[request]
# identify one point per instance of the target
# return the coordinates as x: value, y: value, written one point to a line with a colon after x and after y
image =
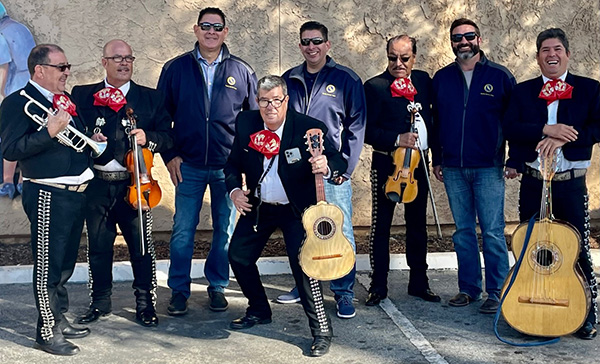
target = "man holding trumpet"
x: 55, y: 175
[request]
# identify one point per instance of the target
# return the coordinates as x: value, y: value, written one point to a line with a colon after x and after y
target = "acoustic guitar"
x: 549, y: 296
x: 325, y: 254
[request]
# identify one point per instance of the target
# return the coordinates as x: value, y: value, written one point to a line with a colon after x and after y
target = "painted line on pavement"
x: 407, y: 328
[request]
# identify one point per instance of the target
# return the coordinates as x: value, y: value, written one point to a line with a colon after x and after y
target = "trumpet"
x: 70, y: 136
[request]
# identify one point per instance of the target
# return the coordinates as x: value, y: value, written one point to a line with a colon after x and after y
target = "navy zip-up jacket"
x: 468, y: 121
x: 338, y: 100
x: 204, y: 129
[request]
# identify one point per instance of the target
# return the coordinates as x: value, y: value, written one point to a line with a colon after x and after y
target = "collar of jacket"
x: 298, y: 71
x: 196, y: 49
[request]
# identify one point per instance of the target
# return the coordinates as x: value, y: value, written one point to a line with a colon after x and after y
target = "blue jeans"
x: 188, y: 202
x: 341, y: 196
x: 478, y: 192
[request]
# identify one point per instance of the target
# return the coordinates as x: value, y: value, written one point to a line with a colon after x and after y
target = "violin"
x: 401, y: 186
x: 144, y: 192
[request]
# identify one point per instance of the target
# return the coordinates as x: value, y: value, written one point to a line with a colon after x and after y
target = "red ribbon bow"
x: 266, y: 142
x: 402, y: 87
x: 62, y: 101
x: 556, y: 90
x: 111, y: 97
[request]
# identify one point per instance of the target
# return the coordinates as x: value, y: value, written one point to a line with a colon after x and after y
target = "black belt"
x: 111, y: 176
x: 558, y: 177
x: 60, y: 186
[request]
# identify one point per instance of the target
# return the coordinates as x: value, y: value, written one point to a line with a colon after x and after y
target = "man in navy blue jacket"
x: 557, y: 112
x: 205, y: 89
x: 470, y: 96
x: 333, y: 94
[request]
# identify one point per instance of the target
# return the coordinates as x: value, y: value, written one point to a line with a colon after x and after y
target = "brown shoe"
x: 460, y: 300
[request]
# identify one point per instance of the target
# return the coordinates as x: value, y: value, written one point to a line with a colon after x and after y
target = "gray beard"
x: 474, y: 50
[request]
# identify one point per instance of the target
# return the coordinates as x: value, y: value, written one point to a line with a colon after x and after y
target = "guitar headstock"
x: 548, y: 166
x: 314, y: 140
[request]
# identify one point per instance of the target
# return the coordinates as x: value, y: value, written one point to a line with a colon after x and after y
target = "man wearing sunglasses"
x: 470, y: 96
x: 391, y: 97
x: 557, y: 114
x: 205, y: 89
x: 334, y: 94
x: 103, y: 107
x: 55, y: 177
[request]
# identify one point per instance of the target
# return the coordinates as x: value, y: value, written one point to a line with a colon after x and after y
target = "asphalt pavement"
x: 403, y: 329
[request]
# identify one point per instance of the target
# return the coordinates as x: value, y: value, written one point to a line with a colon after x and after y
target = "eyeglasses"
x: 456, y: 38
x: 264, y: 103
x: 218, y: 27
x: 119, y: 59
x: 316, y: 41
x: 395, y: 59
x: 61, y: 67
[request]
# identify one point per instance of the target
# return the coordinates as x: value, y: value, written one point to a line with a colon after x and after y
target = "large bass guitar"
x: 549, y: 296
x: 326, y: 254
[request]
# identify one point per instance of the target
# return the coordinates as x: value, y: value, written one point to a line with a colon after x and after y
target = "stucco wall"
x: 265, y: 33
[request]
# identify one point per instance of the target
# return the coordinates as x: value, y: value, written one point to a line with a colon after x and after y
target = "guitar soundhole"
x: 546, y: 259
x: 324, y: 228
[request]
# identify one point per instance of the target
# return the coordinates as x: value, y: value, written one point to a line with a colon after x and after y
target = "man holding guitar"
x: 269, y: 148
x: 390, y: 95
x: 556, y: 114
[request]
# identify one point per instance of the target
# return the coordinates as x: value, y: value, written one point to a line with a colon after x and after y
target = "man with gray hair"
x: 270, y: 149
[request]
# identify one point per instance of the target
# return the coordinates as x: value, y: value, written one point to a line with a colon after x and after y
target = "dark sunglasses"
x: 395, y: 59
x: 456, y: 38
x: 218, y: 27
x: 316, y: 41
x: 61, y: 67
x: 119, y: 59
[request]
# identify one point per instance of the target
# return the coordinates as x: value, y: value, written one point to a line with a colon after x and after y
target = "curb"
x: 14, y: 274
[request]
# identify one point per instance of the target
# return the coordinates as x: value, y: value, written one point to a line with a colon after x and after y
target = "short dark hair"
x: 315, y: 25
x: 464, y: 21
x: 39, y: 55
x: 552, y: 33
x: 270, y: 82
x: 215, y: 11
x: 413, y: 42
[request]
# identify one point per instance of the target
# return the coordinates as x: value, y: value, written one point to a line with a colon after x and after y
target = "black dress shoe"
x: 92, y: 315
x: 320, y: 345
x: 587, y: 331
x: 147, y: 318
x: 248, y: 321
x: 57, y: 346
x: 374, y: 299
x: 428, y: 295
x: 71, y: 332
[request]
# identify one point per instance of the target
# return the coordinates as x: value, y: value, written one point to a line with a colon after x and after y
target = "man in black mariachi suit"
x: 103, y: 107
x: 55, y: 176
x: 558, y: 112
x: 280, y: 187
x: 390, y: 95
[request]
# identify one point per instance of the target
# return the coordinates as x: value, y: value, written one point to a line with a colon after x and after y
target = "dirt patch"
x: 19, y: 253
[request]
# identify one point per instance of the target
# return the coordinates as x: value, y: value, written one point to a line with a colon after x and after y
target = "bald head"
x: 117, y: 60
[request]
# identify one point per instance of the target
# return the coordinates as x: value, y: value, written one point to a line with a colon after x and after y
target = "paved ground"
x: 403, y: 330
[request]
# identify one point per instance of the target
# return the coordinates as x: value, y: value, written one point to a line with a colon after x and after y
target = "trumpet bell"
x: 97, y: 148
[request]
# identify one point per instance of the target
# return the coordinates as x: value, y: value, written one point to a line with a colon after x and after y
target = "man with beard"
x: 469, y: 99
x: 103, y: 107
x: 390, y: 98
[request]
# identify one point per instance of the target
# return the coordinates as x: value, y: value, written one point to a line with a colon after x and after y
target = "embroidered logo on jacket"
x: 329, y: 91
x: 231, y: 82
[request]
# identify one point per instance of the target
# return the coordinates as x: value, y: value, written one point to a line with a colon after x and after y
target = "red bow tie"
x: 266, y: 142
x: 402, y: 87
x: 556, y: 90
x: 111, y: 97
x: 62, y: 101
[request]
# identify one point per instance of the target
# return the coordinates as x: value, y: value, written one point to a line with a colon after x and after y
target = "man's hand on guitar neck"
x: 319, y: 165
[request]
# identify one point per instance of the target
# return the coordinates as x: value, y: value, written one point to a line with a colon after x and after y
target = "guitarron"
x: 549, y: 296
x: 326, y: 254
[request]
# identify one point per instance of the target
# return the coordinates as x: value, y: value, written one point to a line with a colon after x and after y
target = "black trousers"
x: 570, y: 204
x: 245, y: 249
x: 415, y: 215
x: 56, y: 218
x: 107, y: 208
